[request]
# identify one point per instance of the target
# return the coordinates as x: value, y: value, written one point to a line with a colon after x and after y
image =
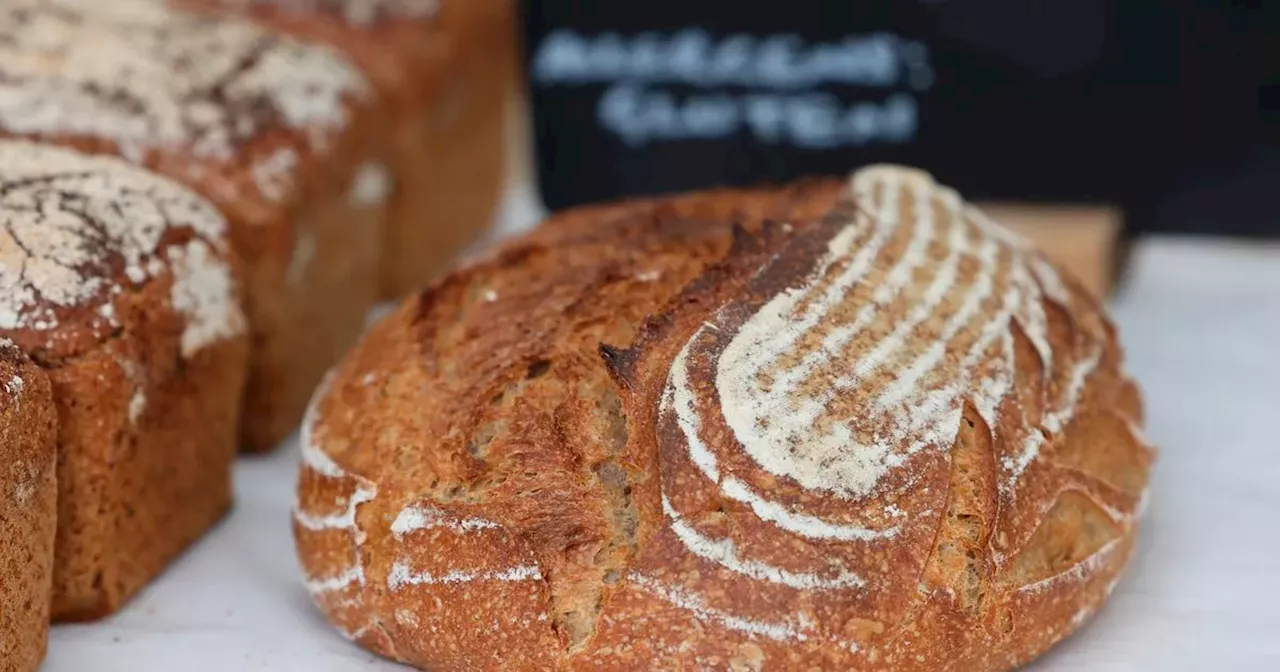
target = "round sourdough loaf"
x: 28, y: 509
x: 880, y: 433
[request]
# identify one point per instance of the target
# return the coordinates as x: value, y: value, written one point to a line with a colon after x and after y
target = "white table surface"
x: 1201, y: 321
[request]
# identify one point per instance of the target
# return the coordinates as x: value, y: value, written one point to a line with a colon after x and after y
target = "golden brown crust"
x: 549, y: 443
x: 139, y: 483
x: 121, y: 288
x: 28, y: 513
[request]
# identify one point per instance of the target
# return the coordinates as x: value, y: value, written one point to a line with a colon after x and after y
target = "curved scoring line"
x: 316, y: 459
x: 958, y: 245
x: 935, y: 403
x: 1032, y: 316
x: 1054, y: 421
x: 895, y: 281
x: 724, y: 552
x: 694, y: 604
x: 1088, y: 565
x: 738, y: 367
x: 906, y: 383
x: 840, y: 246
x: 679, y: 401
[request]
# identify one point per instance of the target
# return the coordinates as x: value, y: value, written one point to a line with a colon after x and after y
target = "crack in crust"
x: 972, y: 501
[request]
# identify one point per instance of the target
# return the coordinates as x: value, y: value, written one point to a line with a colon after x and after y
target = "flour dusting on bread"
x: 67, y: 218
x: 792, y: 629
x: 146, y: 76
x: 371, y: 185
x: 343, y: 588
x: 420, y: 517
x: 1056, y: 420
x: 790, y: 431
x: 680, y: 400
x: 877, y: 435
x: 402, y: 575
x: 204, y: 291
x: 817, y: 406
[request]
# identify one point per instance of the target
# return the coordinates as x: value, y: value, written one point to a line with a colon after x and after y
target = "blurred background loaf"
x: 446, y: 71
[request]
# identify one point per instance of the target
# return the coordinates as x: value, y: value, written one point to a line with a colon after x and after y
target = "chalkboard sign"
x: 1066, y: 101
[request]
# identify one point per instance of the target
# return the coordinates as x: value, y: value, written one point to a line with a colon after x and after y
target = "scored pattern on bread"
x: 904, y: 399
x: 338, y: 591
x: 146, y: 76
x: 804, y: 428
x: 521, y: 615
x: 882, y: 433
x: 327, y: 523
x: 68, y: 219
x: 404, y: 574
x: 420, y: 517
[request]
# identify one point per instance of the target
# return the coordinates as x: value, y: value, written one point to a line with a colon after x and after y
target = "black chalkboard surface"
x: 1059, y: 101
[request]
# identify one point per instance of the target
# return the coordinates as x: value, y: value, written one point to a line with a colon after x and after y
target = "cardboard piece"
x: 1086, y: 240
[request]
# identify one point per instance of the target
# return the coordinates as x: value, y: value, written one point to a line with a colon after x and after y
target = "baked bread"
x: 282, y: 137
x: 117, y: 283
x: 880, y: 434
x: 446, y: 69
x: 28, y: 509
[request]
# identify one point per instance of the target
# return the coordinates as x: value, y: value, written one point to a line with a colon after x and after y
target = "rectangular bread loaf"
x: 282, y: 137
x: 447, y: 70
x: 28, y: 509
x: 119, y: 284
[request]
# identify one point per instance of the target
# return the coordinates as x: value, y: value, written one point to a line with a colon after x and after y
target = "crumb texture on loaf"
x: 77, y: 232
x: 146, y: 76
x: 882, y: 435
